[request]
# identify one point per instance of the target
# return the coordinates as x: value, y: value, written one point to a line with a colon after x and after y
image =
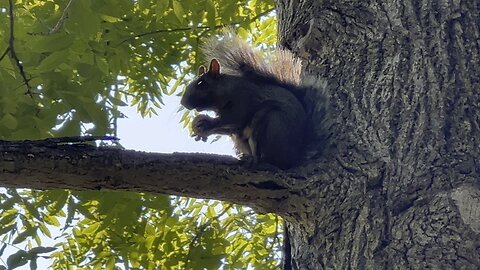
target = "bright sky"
x: 164, y: 133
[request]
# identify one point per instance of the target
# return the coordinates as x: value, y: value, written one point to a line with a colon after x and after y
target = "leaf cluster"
x: 124, y: 230
x: 76, y: 62
x: 66, y: 68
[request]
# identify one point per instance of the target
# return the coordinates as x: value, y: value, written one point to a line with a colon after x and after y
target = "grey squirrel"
x: 271, y: 115
x: 261, y: 104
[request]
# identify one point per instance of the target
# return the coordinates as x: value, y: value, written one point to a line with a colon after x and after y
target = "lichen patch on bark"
x: 467, y: 199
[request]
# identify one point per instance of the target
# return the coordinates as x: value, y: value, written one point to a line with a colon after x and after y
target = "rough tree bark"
x: 403, y: 186
x: 45, y: 165
x: 399, y: 189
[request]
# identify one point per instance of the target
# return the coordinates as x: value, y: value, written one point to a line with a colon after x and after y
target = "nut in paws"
x: 201, y: 126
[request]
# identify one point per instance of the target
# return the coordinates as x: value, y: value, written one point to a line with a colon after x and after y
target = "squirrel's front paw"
x: 201, y: 126
x: 247, y: 160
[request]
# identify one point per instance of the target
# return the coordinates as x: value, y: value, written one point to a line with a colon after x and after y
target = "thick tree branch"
x: 85, y: 167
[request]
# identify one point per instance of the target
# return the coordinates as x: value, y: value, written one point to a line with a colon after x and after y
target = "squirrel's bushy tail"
x: 237, y: 57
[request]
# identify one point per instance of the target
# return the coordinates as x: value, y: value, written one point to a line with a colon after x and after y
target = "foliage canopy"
x: 66, y: 68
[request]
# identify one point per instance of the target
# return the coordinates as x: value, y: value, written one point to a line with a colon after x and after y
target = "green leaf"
x: 92, y: 228
x: 51, y: 43
x: 8, y: 121
x: 118, y: 102
x: 51, y: 220
x: 52, y: 61
x: 110, y: 19
x: 102, y: 64
x: 33, y: 263
x: 60, y: 199
x: 160, y: 8
x: 87, y: 70
x: 39, y: 250
x: 8, y: 216
x: 32, y: 209
x: 211, y: 13
x: 111, y: 263
x: 17, y: 259
x: 44, y: 230
x: 23, y: 235
x: 2, y: 249
x: 178, y: 10
x: 211, y: 212
x: 83, y: 19
x: 9, y: 105
x: 8, y: 228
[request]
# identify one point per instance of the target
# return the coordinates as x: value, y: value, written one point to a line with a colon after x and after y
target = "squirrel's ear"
x: 201, y: 70
x: 214, y: 67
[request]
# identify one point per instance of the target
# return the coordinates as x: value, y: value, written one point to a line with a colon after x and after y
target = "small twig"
x: 256, y: 17
x: 63, y: 140
x: 59, y: 23
x: 79, y: 139
x: 202, y: 230
x: 259, y: 15
x: 4, y: 54
x: 165, y: 31
x: 13, y: 54
x: 62, y: 18
x: 275, y: 238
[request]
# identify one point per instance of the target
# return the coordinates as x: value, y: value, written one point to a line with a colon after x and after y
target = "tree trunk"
x: 403, y: 187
